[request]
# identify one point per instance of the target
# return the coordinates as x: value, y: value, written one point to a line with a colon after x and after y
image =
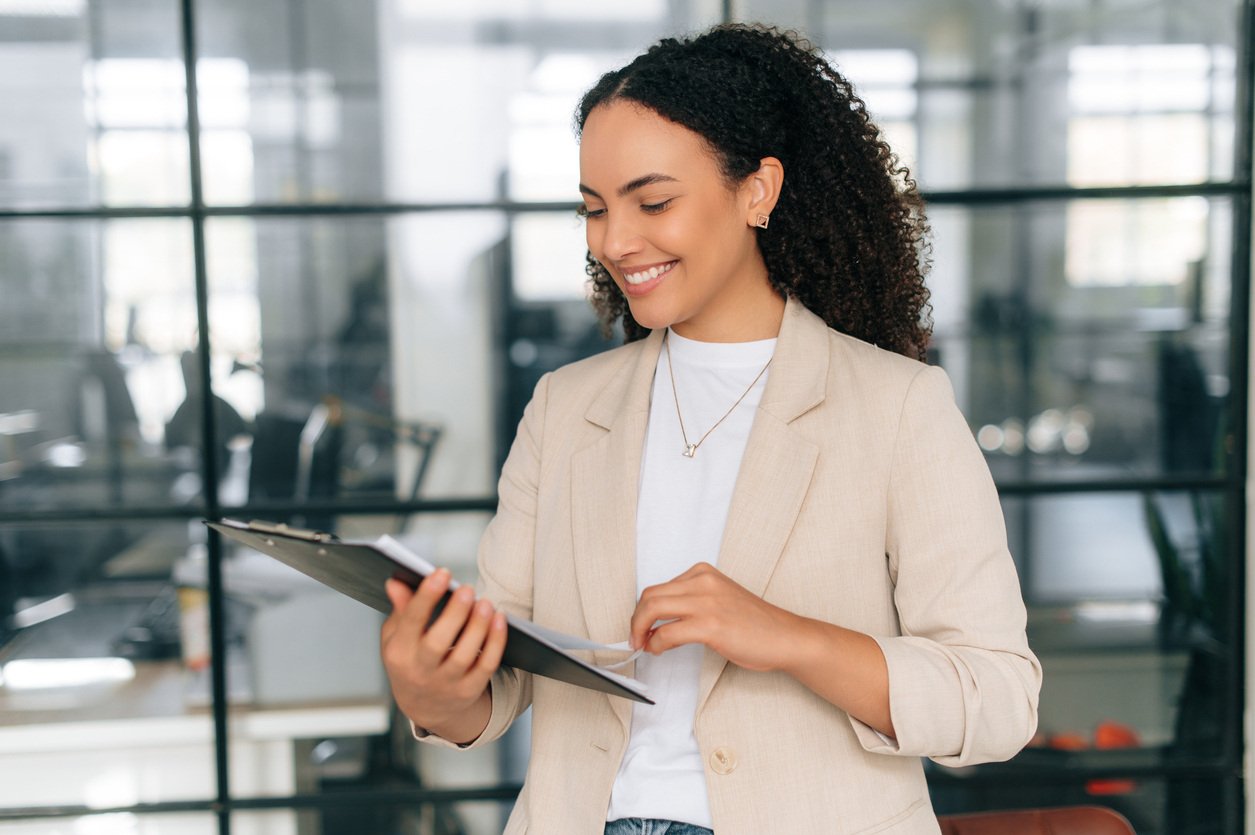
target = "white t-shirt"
x: 680, y: 517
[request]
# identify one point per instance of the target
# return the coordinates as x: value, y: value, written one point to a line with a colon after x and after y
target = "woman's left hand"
x: 704, y: 606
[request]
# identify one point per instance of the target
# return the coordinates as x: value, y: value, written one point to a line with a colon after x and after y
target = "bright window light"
x: 42, y: 8
x: 877, y: 67
x: 565, y: 72
x: 542, y: 151
x: 222, y: 93
x: 885, y: 79
x: 134, y: 92
x: 19, y: 423
x: 46, y: 610
x: 141, y: 153
x: 1119, y: 242
x: 48, y: 673
x: 548, y: 251
x: 1139, y: 117
x: 115, y: 823
x: 1133, y: 79
x: 654, y: 10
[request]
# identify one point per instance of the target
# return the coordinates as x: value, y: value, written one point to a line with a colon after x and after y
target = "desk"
x: 138, y: 742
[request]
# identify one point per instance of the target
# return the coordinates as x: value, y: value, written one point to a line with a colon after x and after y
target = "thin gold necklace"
x: 690, y: 450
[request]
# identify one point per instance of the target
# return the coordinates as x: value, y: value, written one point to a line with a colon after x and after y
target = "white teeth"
x: 645, y: 275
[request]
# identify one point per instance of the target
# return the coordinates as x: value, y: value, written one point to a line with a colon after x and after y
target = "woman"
x: 759, y: 489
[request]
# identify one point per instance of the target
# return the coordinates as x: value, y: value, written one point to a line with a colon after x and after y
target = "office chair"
x: 1063, y: 820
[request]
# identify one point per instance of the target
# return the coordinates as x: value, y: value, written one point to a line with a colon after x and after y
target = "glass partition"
x: 1080, y: 352
x: 104, y: 664
x: 1127, y: 592
x: 314, y: 711
x: 100, y: 90
x: 97, y: 357
x: 1017, y: 95
x: 360, y: 357
x: 389, y: 266
x: 431, y: 103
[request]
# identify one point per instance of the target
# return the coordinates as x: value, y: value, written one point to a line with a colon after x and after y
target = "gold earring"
x: 762, y: 222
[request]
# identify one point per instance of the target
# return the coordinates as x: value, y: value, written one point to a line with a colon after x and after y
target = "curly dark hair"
x: 848, y: 236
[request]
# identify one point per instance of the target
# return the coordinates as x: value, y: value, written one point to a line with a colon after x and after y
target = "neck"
x: 747, y: 320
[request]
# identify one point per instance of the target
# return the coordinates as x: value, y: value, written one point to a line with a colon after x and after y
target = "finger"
x: 700, y: 579
x: 471, y: 641
x: 698, y: 569
x: 418, y: 611
x: 398, y: 593
x: 658, y: 607
x: 675, y: 634
x: 443, y: 632
x: 399, y: 598
x: 494, y: 648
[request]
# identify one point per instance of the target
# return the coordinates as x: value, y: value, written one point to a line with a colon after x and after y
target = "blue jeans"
x: 640, y: 826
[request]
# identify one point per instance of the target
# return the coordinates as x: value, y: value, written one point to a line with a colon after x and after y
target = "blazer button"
x: 723, y: 760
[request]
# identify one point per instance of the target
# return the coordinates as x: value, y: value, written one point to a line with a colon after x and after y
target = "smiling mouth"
x: 645, y: 275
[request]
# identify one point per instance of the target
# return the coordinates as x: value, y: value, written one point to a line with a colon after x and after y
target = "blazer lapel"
x: 777, y: 467
x: 605, y: 477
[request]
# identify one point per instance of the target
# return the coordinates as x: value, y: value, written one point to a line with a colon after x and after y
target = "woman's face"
x: 674, y: 237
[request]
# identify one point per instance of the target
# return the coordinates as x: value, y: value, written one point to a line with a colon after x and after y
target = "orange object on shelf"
x: 1115, y: 735
x: 1069, y: 741
x: 1108, y: 736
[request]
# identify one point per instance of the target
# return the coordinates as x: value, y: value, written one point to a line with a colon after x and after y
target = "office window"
x: 104, y: 684
x: 1141, y: 112
x: 1075, y: 382
x: 1141, y: 117
x: 98, y: 330
x: 70, y: 74
x: 887, y: 80
x: 320, y: 338
x: 334, y: 312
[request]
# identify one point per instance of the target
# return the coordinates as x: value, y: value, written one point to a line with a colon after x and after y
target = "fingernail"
x: 484, y: 608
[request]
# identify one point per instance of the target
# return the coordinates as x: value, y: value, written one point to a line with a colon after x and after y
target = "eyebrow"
x: 638, y: 183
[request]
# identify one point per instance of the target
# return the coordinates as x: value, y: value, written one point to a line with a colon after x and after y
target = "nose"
x: 619, y: 237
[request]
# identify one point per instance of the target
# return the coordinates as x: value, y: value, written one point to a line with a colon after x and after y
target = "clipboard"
x: 359, y: 569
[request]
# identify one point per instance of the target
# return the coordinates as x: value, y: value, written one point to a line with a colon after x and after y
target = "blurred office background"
x: 303, y: 260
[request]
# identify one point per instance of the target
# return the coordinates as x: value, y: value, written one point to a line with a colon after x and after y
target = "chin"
x: 649, y: 317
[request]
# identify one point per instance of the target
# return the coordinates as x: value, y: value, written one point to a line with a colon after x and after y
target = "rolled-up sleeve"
x: 963, y: 683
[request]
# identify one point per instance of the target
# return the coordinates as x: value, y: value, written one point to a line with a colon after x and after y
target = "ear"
x: 761, y: 190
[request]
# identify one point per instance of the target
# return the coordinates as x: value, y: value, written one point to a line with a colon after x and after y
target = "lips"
x: 638, y: 277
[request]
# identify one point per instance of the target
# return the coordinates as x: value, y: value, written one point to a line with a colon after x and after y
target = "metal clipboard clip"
x: 281, y: 529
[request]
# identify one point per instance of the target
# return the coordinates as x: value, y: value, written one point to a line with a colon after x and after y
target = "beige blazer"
x: 862, y: 500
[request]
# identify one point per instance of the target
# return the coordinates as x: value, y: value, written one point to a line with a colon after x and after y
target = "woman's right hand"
x: 440, y: 670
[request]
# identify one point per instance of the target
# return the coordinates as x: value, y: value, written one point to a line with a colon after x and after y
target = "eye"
x: 585, y: 212
x: 655, y: 208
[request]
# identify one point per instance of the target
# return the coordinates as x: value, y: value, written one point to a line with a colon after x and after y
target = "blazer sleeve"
x: 505, y: 563
x: 963, y: 683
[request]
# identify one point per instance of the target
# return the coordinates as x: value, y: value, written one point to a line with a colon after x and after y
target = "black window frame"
x: 1226, y: 766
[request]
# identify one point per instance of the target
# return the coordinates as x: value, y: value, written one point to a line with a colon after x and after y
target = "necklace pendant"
x: 690, y: 450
